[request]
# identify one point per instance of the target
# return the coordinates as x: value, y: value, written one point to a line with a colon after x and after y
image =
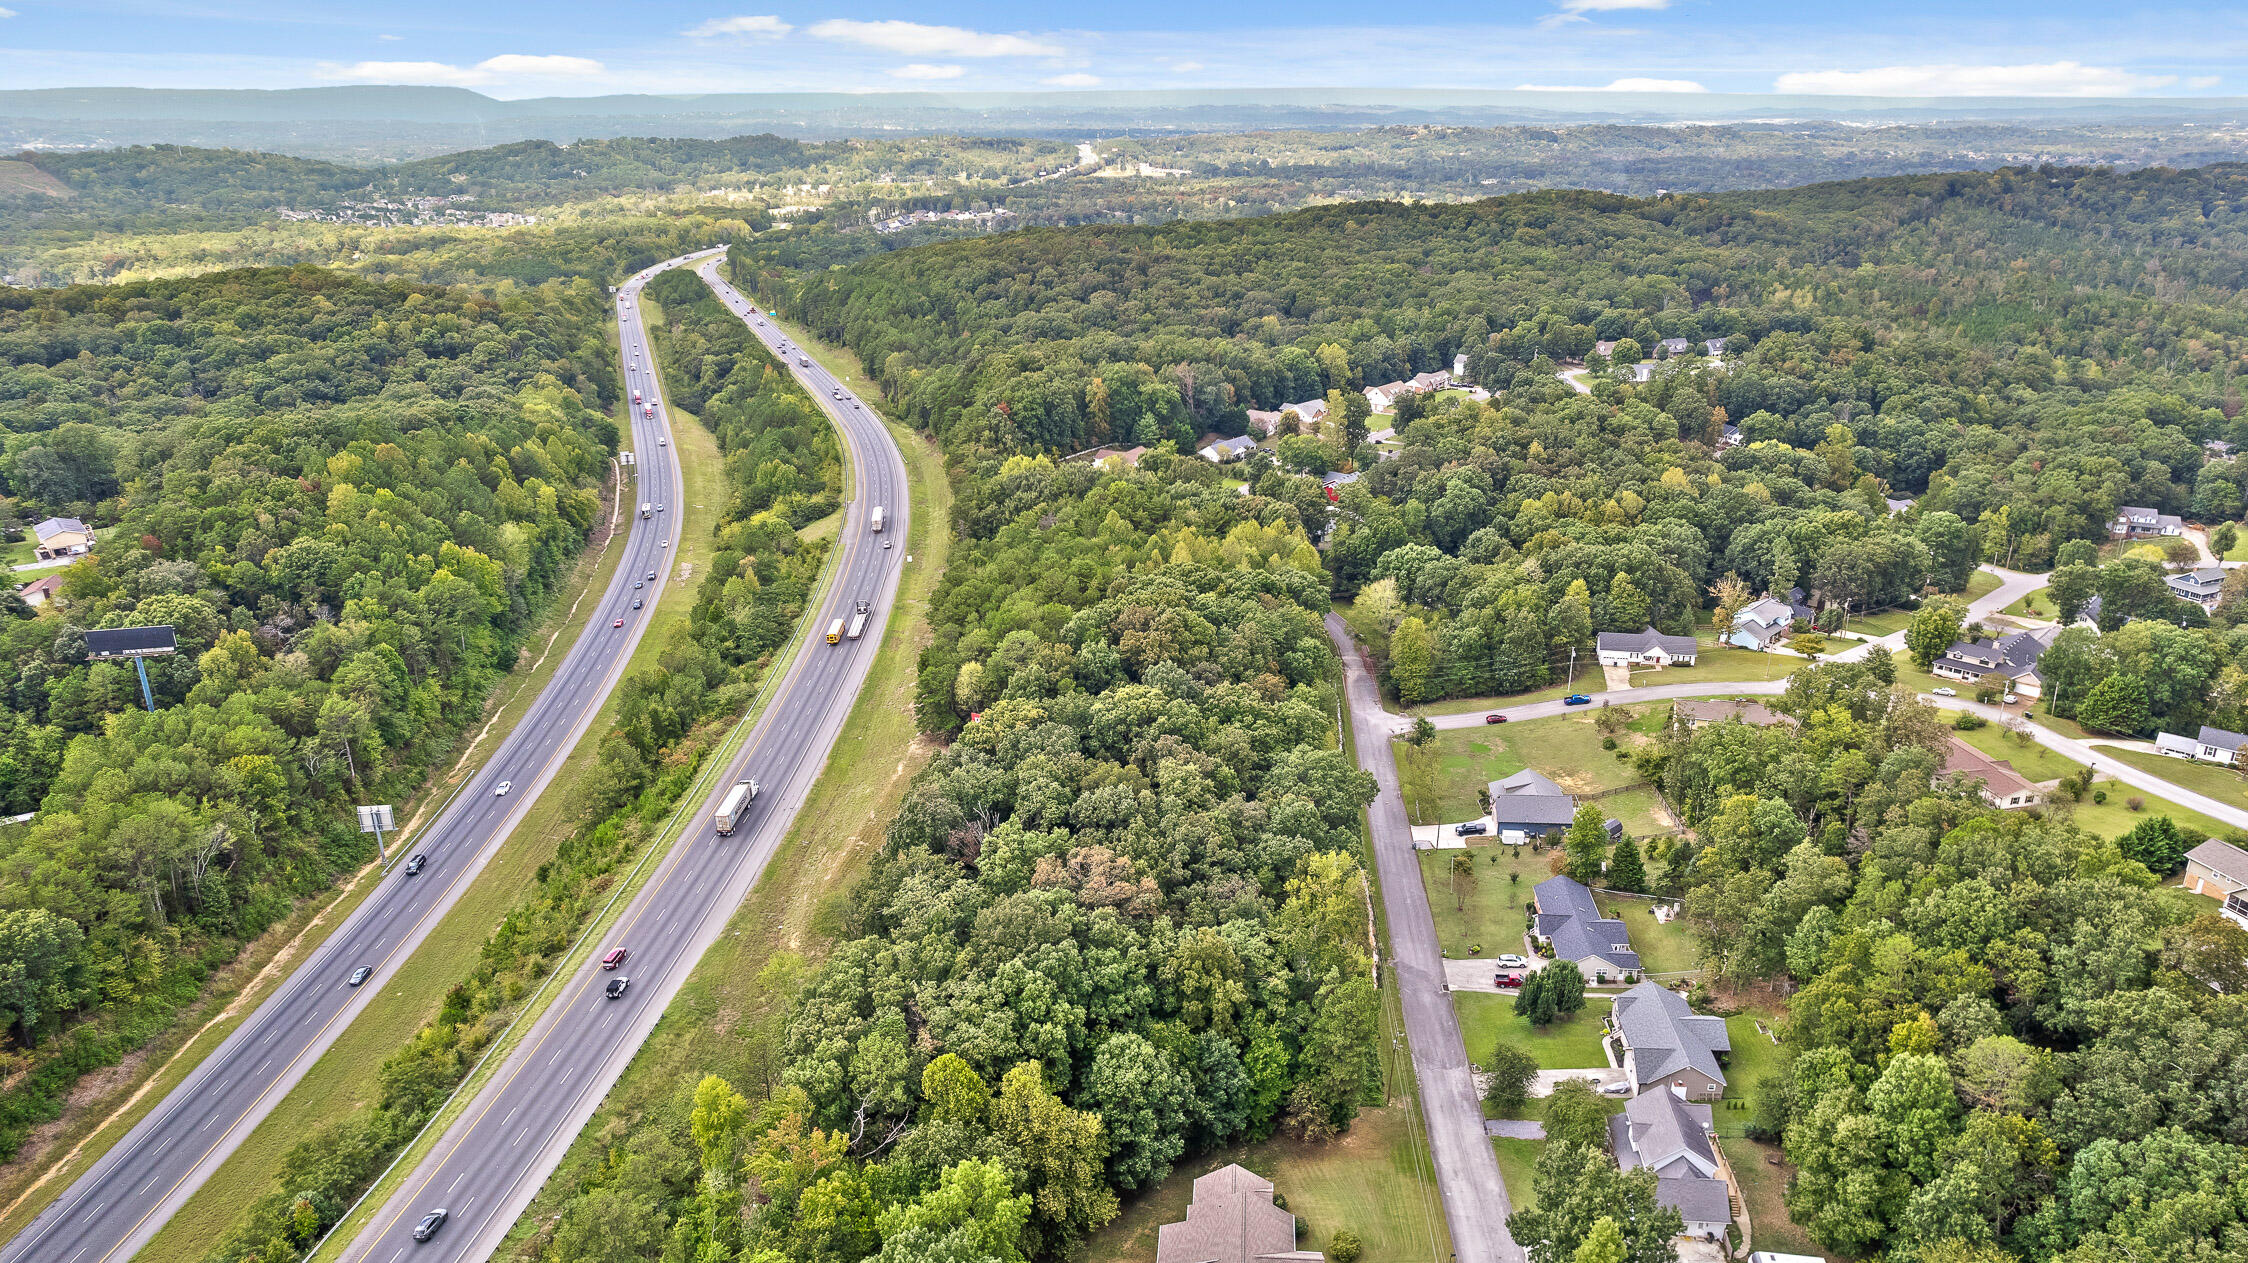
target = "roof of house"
x: 1677, y: 346
x: 1718, y: 710
x: 42, y: 587
x: 1663, y: 1131
x: 1644, y: 640
x: 1311, y: 408
x: 2221, y: 738
x: 1265, y: 421
x: 1437, y: 380
x: 1231, y: 1220
x: 1765, y: 612
x: 2146, y: 517
x: 1568, y: 916
x: 1997, y: 775
x: 1896, y: 506
x: 1666, y: 1036
x: 2222, y: 858
x: 1228, y: 447
x: 2014, y: 655
x: 1334, y: 479
x: 2199, y: 581
x: 1796, y: 602
x: 59, y: 526
x: 1699, y: 1200
x: 1528, y: 798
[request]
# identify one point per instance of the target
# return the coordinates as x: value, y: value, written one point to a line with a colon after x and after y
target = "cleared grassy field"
x: 1662, y: 948
x: 1981, y: 583
x: 1442, y: 780
x: 344, y: 1078
x: 2221, y: 783
x: 1570, y: 1044
x: 1724, y: 665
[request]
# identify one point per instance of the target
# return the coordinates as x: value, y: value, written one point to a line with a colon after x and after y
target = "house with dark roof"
x: 1996, y: 779
x: 2133, y: 522
x: 1571, y: 924
x: 1673, y: 346
x: 1713, y: 347
x: 1232, y: 1219
x: 2210, y: 745
x: 1224, y: 450
x: 2220, y: 871
x: 2201, y: 585
x: 1730, y: 436
x: 1673, y: 1137
x: 1529, y: 805
x: 1761, y: 624
x: 1667, y: 1045
x: 2013, y: 656
x: 1646, y: 648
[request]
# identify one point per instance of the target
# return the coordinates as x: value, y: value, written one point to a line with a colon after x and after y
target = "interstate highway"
x: 127, y: 1195
x: 491, y: 1161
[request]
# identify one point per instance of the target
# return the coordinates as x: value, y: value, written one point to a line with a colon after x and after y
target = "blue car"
x: 1576, y: 699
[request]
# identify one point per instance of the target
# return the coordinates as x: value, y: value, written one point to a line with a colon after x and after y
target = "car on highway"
x: 1576, y: 699
x: 885, y: 543
x: 430, y: 1223
x: 615, y: 958
x: 1945, y: 692
x: 1508, y: 960
x: 618, y: 623
x: 637, y: 585
x: 636, y: 602
x: 1494, y: 718
x: 416, y: 864
x: 661, y: 441
x: 359, y: 975
x: 651, y: 576
x: 659, y: 506
x: 505, y: 786
x: 1470, y: 828
x: 616, y: 987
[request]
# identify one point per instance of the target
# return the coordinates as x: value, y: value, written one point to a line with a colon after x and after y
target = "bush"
x: 1344, y: 1247
x: 1968, y: 721
x: 2135, y: 803
x: 1607, y: 743
x: 2099, y: 796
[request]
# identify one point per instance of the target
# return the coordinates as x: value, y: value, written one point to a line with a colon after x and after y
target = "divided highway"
x: 121, y: 1202
x: 489, y: 1164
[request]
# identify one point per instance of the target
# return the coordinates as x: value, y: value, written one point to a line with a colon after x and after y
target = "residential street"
x: 1467, y: 1169
x: 2013, y: 585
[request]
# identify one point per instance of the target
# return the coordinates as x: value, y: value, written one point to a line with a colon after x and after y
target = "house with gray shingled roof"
x: 1668, y: 1045
x: 1570, y: 921
x: 1232, y: 1220
x: 1671, y: 1136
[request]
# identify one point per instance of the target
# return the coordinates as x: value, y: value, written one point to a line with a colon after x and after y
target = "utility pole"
x: 1572, y: 684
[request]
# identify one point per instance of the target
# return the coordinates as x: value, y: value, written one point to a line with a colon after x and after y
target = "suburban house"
x: 2133, y: 522
x: 1232, y: 1219
x: 1604, y: 347
x: 1897, y: 506
x: 1224, y: 450
x: 1998, y: 782
x: 2220, y: 871
x: 2089, y: 615
x: 1694, y: 712
x: 1668, y: 1045
x: 1529, y: 805
x: 1571, y: 923
x: 1385, y: 396
x: 1647, y: 648
x: 2202, y: 585
x: 1761, y: 624
x: 1730, y: 436
x: 1713, y: 347
x: 1459, y: 367
x: 60, y: 537
x: 2013, y: 656
x: 36, y: 592
x: 1311, y: 411
x: 1265, y: 424
x: 1644, y: 371
x: 2210, y: 745
x: 1672, y: 1137
x: 1426, y: 382
x: 1673, y: 346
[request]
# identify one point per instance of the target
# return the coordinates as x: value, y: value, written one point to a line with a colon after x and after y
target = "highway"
x: 128, y: 1194
x: 489, y: 1163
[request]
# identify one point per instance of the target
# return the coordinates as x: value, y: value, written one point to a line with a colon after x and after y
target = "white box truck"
x: 732, y: 807
x: 643, y: 508
x: 858, y: 620
x: 875, y: 522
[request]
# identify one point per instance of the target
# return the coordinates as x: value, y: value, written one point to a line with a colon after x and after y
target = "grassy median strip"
x: 344, y: 1080
x: 109, y: 1103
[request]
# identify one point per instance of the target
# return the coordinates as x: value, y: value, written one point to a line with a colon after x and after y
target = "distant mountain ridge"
x: 378, y: 123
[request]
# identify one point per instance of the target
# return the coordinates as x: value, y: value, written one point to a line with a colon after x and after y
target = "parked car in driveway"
x: 1470, y: 828
x: 1576, y: 699
x: 1509, y: 981
x: 1509, y: 960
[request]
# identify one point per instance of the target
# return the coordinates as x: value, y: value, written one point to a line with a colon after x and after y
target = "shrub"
x: 1607, y: 743
x: 1967, y: 721
x: 2099, y: 796
x: 2135, y: 803
x: 1344, y: 1247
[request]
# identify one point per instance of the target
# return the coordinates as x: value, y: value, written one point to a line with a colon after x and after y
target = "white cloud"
x: 490, y: 70
x: 389, y: 39
x: 1077, y: 80
x: 923, y: 70
x: 2205, y: 81
x: 1186, y: 67
x: 1575, y: 10
x: 2057, y: 78
x: 764, y: 26
x: 913, y: 39
x: 1620, y: 85
x: 7, y: 13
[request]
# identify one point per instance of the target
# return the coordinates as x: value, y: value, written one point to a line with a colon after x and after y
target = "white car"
x: 505, y: 786
x: 1512, y: 961
x: 1945, y: 692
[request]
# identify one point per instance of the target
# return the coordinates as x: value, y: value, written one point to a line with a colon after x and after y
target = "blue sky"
x: 514, y: 48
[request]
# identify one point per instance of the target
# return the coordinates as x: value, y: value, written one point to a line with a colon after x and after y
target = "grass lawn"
x: 2223, y: 784
x: 1588, y: 680
x: 1491, y: 921
x: 2033, y: 761
x: 1367, y: 1180
x: 1662, y: 948
x: 21, y: 553
x: 2113, y: 817
x: 1718, y: 666
x: 1885, y: 623
x: 1641, y: 812
x: 2239, y: 550
x: 2035, y: 605
x: 1980, y: 583
x: 1573, y: 1044
x: 1763, y: 1184
x: 1518, y: 1159
x: 1441, y: 780
x: 343, y: 1079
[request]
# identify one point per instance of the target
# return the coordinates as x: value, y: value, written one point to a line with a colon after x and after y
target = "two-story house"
x: 2013, y: 656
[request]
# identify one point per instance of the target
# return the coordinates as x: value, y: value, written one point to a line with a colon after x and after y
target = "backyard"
x: 1442, y: 781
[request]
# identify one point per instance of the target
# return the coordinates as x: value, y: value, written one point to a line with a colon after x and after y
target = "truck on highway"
x: 835, y: 632
x: 732, y: 807
x: 803, y: 361
x: 649, y: 412
x: 636, y: 396
x: 875, y: 523
x: 644, y: 508
x: 858, y: 620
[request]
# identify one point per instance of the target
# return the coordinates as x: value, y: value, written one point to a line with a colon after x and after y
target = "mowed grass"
x: 1763, y: 1184
x: 344, y: 1079
x: 1662, y: 947
x: 1723, y: 665
x: 1367, y: 1180
x: 1443, y: 780
x: 106, y: 1105
x: 1483, y: 917
x: 1981, y: 583
x: 2218, y: 782
x: 2114, y: 817
x: 1570, y: 1044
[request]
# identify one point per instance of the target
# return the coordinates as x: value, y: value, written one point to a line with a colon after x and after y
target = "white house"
x: 1648, y: 648
x: 2210, y: 745
x: 1674, y: 346
x: 1311, y: 411
x: 1224, y: 450
x: 1761, y: 623
x: 2133, y: 522
x: 1459, y: 366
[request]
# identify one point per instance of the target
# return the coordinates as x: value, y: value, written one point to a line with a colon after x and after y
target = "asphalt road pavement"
x: 127, y: 1195
x: 490, y: 1162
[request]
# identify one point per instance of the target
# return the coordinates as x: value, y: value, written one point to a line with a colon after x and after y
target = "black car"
x: 1470, y: 828
x: 416, y: 864
x: 430, y: 1223
x: 359, y: 975
x: 616, y: 987
x: 636, y: 602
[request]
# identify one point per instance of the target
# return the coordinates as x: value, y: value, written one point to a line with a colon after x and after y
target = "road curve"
x: 490, y: 1162
x: 1467, y: 1167
x: 128, y: 1194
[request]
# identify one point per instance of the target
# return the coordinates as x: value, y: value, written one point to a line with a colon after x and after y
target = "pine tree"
x: 1626, y: 870
x: 1587, y: 844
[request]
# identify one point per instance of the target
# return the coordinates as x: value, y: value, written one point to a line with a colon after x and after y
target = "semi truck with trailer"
x: 858, y: 620
x: 732, y: 807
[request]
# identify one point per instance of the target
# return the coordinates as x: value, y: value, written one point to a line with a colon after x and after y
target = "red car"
x: 1508, y: 980
x: 1494, y: 718
x: 614, y: 959
x: 618, y: 623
